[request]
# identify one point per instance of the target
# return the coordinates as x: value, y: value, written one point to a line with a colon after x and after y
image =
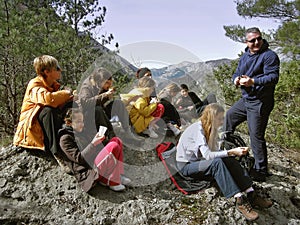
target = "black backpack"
x: 230, y: 141
x: 166, y: 152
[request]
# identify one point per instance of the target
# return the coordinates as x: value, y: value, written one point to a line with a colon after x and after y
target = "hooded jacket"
x: 263, y: 66
x: 90, y: 95
x: 29, y: 133
x: 138, y: 104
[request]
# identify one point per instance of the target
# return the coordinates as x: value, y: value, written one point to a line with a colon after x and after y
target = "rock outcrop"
x: 34, y: 190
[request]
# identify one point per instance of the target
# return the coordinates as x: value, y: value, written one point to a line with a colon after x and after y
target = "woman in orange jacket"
x: 40, y: 116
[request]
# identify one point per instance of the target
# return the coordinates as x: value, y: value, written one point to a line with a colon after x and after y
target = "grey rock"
x: 33, y: 190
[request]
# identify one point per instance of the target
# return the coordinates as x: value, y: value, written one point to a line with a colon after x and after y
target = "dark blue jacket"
x: 263, y: 66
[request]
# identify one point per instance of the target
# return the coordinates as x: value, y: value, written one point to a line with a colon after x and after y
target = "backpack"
x: 230, y: 141
x: 166, y: 152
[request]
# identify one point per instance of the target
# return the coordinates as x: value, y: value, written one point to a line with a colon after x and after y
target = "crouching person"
x: 42, y: 109
x: 198, y: 157
x: 89, y: 160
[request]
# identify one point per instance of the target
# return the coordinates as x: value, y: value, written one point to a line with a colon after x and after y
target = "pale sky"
x: 191, y: 30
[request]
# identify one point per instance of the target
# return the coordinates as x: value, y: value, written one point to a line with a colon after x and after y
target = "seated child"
x: 88, y: 159
x: 143, y: 113
x: 185, y: 104
x: 171, y: 115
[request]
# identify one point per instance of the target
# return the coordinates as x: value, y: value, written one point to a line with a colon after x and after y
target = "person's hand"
x: 97, y: 139
x: 246, y: 81
x: 154, y: 100
x: 71, y: 93
x: 110, y: 93
x: 237, y: 81
x: 190, y: 107
x: 239, y: 151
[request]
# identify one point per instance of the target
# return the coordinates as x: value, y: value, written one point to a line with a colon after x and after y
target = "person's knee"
x: 217, y: 163
x: 47, y: 110
x: 117, y: 140
x: 114, y: 147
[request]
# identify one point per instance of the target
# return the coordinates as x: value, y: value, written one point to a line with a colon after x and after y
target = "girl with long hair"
x: 198, y: 156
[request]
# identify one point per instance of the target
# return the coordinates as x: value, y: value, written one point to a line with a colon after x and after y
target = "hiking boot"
x: 257, y: 201
x: 258, y: 175
x: 244, y: 207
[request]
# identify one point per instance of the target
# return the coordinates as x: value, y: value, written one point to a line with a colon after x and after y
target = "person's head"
x: 101, y: 78
x: 46, y: 66
x: 184, y: 90
x: 74, y: 118
x: 173, y: 89
x: 253, y: 39
x: 143, y: 72
x: 212, y: 118
x: 147, y: 83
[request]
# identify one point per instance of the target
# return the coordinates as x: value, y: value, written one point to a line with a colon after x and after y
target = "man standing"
x: 257, y: 75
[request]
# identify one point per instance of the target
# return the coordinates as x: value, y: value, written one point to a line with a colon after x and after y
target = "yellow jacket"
x: 137, y: 103
x: 38, y: 94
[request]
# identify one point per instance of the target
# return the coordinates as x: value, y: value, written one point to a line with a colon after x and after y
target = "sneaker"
x: 258, y: 175
x: 125, y: 180
x: 128, y: 134
x: 174, y: 129
x: 103, y: 184
x: 257, y: 201
x: 244, y: 207
x: 119, y: 187
x: 150, y: 132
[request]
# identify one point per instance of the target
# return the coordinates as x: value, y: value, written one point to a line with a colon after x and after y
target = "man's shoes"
x: 257, y: 201
x: 244, y: 207
x: 258, y: 175
x: 119, y: 187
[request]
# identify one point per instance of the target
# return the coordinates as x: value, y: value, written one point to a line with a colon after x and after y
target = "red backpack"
x: 166, y: 152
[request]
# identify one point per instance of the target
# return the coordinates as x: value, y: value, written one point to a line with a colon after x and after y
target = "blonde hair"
x: 172, y: 87
x: 146, y: 82
x: 44, y: 62
x: 207, y: 119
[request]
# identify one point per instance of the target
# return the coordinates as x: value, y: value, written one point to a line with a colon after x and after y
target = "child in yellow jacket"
x: 143, y: 113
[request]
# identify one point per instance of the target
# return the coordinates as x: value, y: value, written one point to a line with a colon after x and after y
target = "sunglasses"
x: 254, y: 39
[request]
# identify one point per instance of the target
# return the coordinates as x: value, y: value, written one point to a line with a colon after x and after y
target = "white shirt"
x: 192, y: 145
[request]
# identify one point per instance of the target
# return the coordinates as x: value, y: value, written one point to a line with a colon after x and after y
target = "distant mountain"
x: 184, y: 72
x: 190, y: 73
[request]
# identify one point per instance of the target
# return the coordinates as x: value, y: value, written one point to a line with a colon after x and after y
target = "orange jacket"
x: 38, y: 94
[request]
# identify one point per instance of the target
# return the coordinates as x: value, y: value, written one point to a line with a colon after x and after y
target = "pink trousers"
x: 110, y: 162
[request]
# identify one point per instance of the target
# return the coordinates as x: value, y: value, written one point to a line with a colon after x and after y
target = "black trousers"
x: 117, y: 108
x: 170, y: 115
x: 51, y: 120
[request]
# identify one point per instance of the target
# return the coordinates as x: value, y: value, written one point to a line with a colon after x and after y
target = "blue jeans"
x: 227, y: 172
x: 256, y: 113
